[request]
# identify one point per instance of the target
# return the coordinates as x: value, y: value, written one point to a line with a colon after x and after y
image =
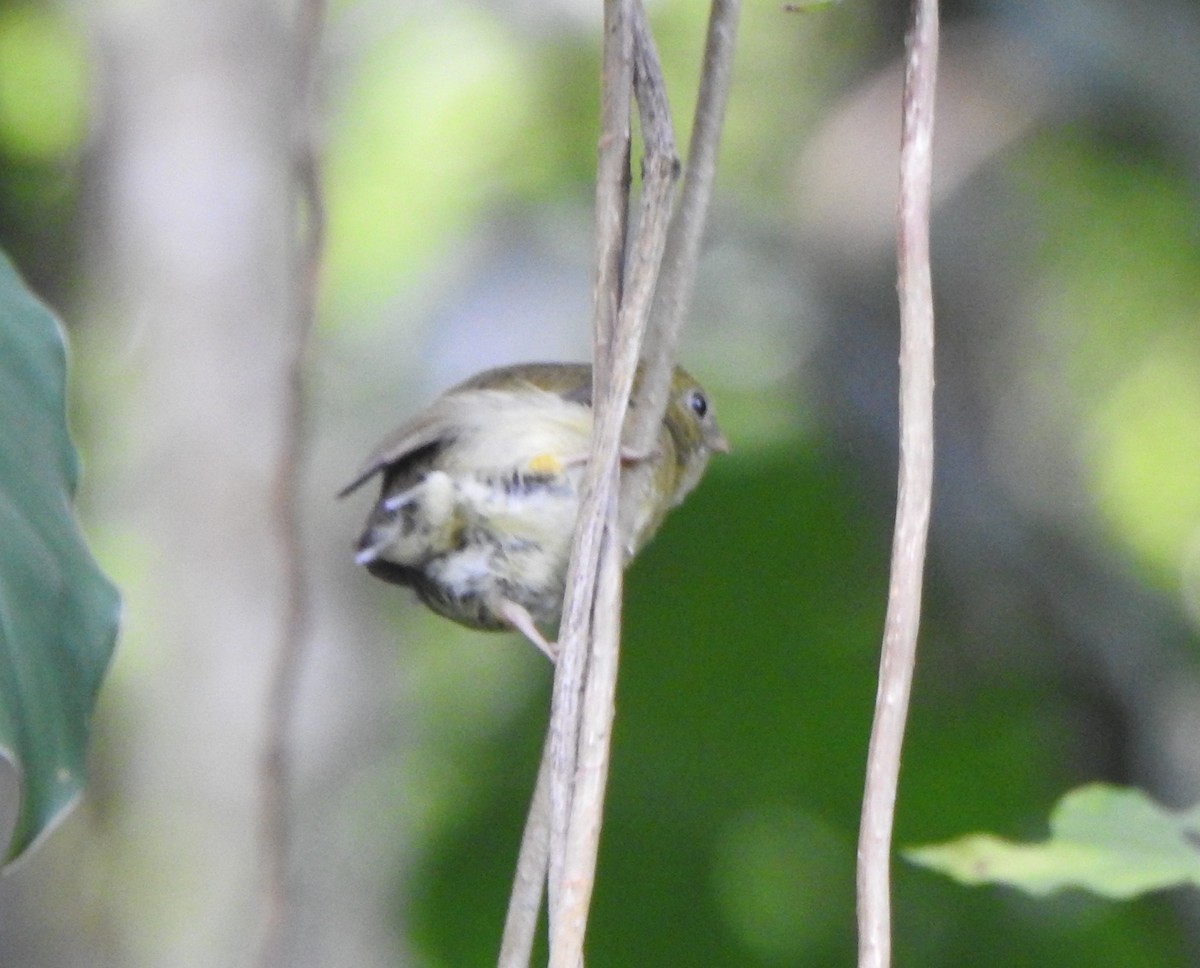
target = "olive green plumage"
x: 481, y: 491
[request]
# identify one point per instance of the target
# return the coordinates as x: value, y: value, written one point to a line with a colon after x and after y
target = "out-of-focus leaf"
x: 1114, y: 842
x: 58, y: 613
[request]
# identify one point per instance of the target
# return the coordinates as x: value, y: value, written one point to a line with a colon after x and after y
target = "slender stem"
x: 612, y: 193
x: 915, y: 487
x: 659, y: 172
x: 574, y: 769
x: 594, y: 593
x: 309, y: 237
x: 677, y: 279
x: 520, y: 923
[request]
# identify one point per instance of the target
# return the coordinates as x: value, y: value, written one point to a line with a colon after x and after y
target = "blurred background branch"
x: 308, y: 234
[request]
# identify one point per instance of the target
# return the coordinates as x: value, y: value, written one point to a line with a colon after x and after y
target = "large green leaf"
x: 1114, y: 842
x: 58, y: 613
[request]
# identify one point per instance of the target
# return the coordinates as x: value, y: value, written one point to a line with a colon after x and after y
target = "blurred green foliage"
x: 58, y: 612
x: 1117, y: 290
x: 441, y: 109
x: 43, y: 84
x: 1112, y: 841
x: 44, y: 101
x: 748, y: 674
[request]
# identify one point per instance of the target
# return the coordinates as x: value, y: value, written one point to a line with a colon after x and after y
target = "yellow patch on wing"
x: 545, y: 464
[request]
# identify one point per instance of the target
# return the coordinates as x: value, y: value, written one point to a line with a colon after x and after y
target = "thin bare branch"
x: 659, y: 172
x: 676, y: 281
x: 612, y: 176
x: 309, y: 236
x: 612, y: 192
x: 594, y: 591
x: 915, y: 489
x: 578, y: 742
x: 525, y: 902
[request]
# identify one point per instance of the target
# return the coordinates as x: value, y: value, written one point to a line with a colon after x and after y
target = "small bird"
x: 481, y: 492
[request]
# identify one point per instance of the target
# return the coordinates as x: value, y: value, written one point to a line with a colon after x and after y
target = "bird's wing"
x: 507, y: 401
x: 430, y: 428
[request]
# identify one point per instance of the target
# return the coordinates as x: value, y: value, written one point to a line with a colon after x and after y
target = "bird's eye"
x: 698, y: 403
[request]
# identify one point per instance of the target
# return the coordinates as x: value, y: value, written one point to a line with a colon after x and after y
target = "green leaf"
x: 1112, y: 841
x: 58, y: 613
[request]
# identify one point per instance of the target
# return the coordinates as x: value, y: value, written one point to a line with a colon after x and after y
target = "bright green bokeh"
x: 1120, y: 287
x: 784, y: 882
x: 434, y: 125
x: 1147, y: 463
x: 43, y: 84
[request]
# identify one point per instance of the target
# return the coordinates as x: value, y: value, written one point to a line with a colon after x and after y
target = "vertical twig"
x: 612, y: 192
x: 308, y: 237
x: 593, y: 600
x: 677, y: 279
x: 915, y: 487
x: 659, y: 170
x: 550, y: 808
x: 525, y: 901
x: 579, y: 753
x: 612, y: 179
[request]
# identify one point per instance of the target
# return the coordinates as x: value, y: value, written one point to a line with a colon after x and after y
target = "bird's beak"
x: 720, y: 443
